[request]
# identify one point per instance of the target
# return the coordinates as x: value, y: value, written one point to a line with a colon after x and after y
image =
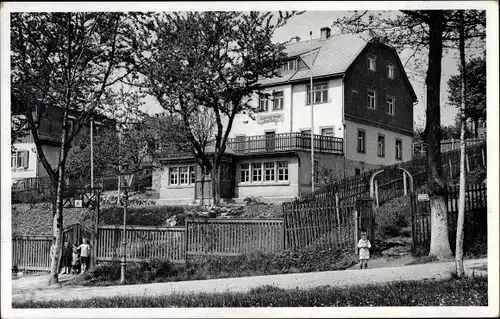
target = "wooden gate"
x: 75, y: 234
x: 366, y: 218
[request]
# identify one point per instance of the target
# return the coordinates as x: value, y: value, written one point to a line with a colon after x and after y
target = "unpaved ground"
x: 34, y: 288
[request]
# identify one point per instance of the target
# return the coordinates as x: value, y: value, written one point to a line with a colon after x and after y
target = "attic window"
x: 390, y: 71
x: 372, y: 63
x: 290, y: 65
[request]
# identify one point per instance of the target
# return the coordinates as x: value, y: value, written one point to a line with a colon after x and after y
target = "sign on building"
x: 270, y: 118
x: 423, y: 197
x: 78, y: 203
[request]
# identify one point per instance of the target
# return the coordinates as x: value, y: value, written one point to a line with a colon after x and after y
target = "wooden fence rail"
x: 31, y: 252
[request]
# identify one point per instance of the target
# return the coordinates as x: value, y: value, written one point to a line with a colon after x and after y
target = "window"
x: 306, y: 132
x: 71, y: 124
x: 320, y: 93
x: 244, y: 173
x: 399, y: 149
x: 390, y: 105
x: 269, y: 169
x: 381, y: 146
x: 316, y: 172
x: 390, y: 71
x: 263, y: 103
x: 372, y: 101
x: 192, y: 174
x: 184, y: 175
x: 174, y: 176
x: 256, y: 172
x: 361, y: 141
x: 372, y: 63
x: 328, y: 131
x: 20, y: 159
x: 290, y: 65
x: 282, y: 171
x: 278, y: 100
x: 357, y: 171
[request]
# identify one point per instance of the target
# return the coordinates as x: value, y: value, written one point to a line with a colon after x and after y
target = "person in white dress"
x: 364, y: 250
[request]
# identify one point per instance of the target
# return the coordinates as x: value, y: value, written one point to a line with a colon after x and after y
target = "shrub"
x: 391, y: 217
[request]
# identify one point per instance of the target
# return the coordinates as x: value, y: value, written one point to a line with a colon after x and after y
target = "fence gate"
x: 75, y: 234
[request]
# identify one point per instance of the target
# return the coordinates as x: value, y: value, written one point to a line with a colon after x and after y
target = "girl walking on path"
x: 364, y: 250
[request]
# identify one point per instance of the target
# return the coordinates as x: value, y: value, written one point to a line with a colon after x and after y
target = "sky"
x: 314, y: 20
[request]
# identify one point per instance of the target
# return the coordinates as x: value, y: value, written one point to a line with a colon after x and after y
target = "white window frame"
x: 358, y: 139
x: 372, y: 98
x: 245, y: 172
x: 398, y: 152
x: 184, y: 175
x: 263, y: 100
x: 278, y: 102
x: 282, y: 167
x: 290, y: 65
x: 269, y: 171
x: 318, y: 88
x: 372, y: 63
x: 173, y: 172
x: 381, y: 149
x: 332, y: 128
x: 257, y: 170
x: 390, y: 71
x: 18, y: 157
x: 192, y: 175
x: 390, y: 106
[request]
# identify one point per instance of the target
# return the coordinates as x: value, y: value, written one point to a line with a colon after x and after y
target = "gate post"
x: 364, y: 207
x: 95, y: 230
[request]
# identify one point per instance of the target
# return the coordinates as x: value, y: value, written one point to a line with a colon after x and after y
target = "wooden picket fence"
x: 233, y: 236
x: 143, y: 242
x: 31, y: 252
x: 475, y: 208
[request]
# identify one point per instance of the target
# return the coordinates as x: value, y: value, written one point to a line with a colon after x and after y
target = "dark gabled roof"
x: 331, y: 57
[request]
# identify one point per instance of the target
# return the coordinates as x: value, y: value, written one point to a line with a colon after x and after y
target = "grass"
x: 449, y: 292
x: 423, y: 260
x: 254, y: 264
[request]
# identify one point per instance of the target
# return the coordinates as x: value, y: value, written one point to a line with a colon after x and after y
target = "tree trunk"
x: 459, y: 247
x: 58, y: 229
x: 476, y: 127
x: 216, y: 182
x: 440, y: 246
x: 202, y: 192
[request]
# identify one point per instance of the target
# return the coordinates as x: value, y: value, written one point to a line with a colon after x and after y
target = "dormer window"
x: 290, y: 65
x: 372, y: 63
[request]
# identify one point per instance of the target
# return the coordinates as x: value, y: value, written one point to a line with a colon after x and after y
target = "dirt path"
x: 34, y: 288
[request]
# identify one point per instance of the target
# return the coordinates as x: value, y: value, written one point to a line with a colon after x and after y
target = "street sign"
x: 78, y: 203
x: 423, y: 197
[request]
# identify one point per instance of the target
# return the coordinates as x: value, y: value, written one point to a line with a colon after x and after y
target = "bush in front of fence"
x: 209, y: 267
x: 392, y: 217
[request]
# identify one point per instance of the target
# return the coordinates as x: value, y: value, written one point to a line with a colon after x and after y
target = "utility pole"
x: 311, y: 94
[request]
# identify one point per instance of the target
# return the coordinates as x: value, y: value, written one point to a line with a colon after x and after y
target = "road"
x: 34, y: 288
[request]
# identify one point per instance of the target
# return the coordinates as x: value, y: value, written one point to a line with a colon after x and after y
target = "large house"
x: 363, y: 119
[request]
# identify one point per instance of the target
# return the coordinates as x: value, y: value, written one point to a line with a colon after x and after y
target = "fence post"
x: 483, y: 157
x: 450, y: 168
x: 404, y: 184
x: 376, y: 193
x: 452, y: 144
x: 186, y: 239
x: 467, y: 162
x: 283, y: 233
x: 356, y: 229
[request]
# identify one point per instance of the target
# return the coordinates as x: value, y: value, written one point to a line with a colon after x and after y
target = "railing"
x: 419, y: 148
x: 285, y: 142
x: 28, y: 138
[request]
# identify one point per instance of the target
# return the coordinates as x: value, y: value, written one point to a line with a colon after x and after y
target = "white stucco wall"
x: 296, y: 114
x: 269, y: 190
x: 371, y: 134
x: 31, y: 172
x: 172, y: 194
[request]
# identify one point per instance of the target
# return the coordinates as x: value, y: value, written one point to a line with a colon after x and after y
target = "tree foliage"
x: 475, y: 103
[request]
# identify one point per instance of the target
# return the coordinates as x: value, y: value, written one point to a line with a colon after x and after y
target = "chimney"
x: 325, y: 33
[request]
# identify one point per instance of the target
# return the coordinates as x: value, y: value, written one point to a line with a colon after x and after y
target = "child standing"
x: 85, y: 254
x: 75, y: 261
x: 67, y: 257
x: 364, y: 250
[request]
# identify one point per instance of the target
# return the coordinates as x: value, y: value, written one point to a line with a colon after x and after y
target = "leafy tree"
x: 475, y: 106
x: 425, y: 32
x: 70, y: 61
x: 212, y: 62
